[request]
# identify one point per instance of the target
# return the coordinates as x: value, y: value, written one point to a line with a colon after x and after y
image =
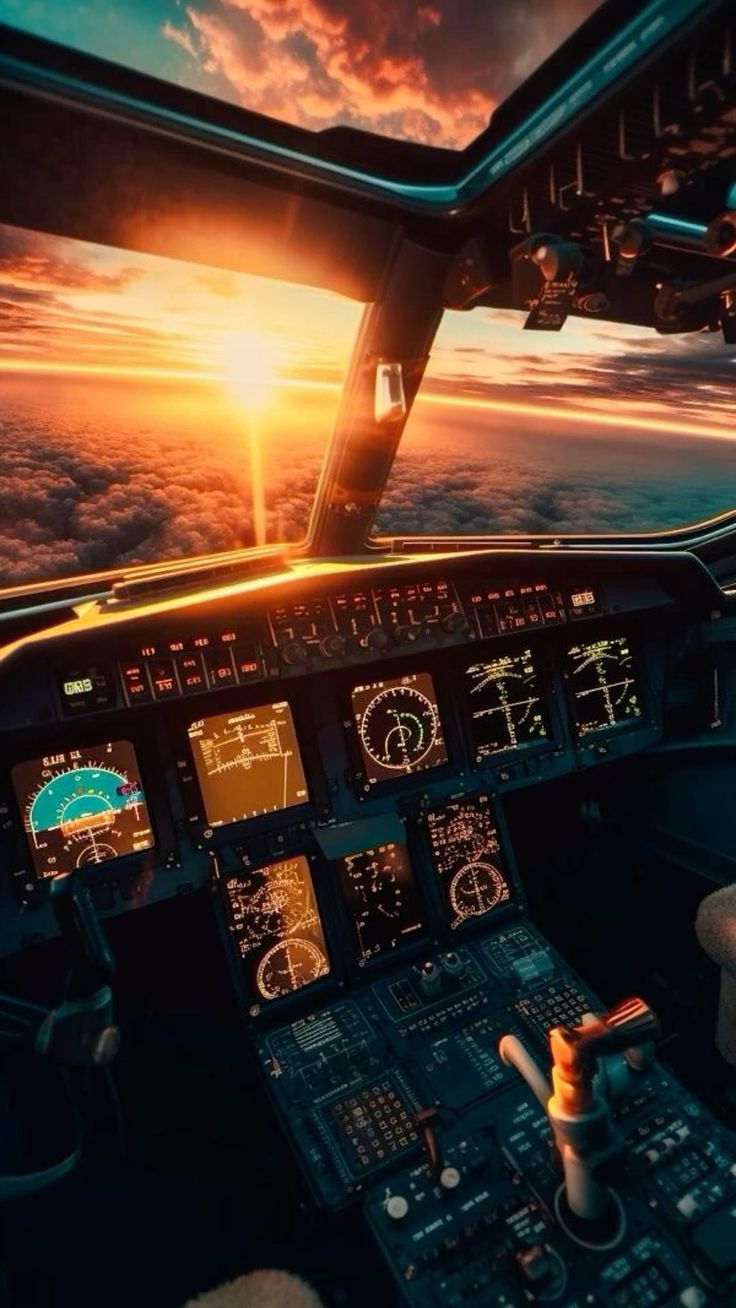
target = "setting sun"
x: 251, y: 367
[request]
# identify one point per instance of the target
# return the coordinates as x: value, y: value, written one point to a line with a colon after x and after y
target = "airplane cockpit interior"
x: 367, y: 654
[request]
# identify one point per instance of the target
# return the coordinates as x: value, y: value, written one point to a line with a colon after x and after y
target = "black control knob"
x: 376, y: 640
x: 333, y: 646
x: 294, y: 653
x: 453, y: 965
x: 405, y: 633
x: 430, y: 979
x: 456, y: 624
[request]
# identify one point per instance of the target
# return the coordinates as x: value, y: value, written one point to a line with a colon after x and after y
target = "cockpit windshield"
x: 152, y: 409
x: 431, y: 72
x: 600, y: 428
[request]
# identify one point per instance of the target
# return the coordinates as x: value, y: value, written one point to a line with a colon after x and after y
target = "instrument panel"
x: 230, y: 748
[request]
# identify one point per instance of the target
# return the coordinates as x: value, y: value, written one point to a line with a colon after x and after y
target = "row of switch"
x: 189, y: 673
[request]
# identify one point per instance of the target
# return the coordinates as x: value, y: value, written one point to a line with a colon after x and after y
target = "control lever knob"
x: 430, y: 979
x: 535, y: 1266
x: 453, y: 964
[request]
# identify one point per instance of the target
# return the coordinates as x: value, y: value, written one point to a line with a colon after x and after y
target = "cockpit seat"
x: 261, y: 1289
x: 715, y: 926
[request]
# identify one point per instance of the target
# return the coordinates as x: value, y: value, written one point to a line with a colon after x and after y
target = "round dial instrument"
x: 476, y: 888
x: 288, y: 965
x: 399, y: 727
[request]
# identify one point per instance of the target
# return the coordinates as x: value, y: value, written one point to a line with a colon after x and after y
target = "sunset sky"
x: 126, y: 380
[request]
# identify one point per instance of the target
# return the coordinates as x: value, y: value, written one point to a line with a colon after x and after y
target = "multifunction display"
x: 248, y: 763
x: 467, y: 858
x: 505, y: 706
x: 275, y: 922
x: 83, y: 807
x: 381, y: 897
x: 604, y: 687
x: 398, y: 727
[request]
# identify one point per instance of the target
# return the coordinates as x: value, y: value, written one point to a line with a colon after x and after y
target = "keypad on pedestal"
x: 374, y: 1125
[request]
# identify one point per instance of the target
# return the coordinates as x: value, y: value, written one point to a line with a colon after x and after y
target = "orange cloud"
x: 431, y: 72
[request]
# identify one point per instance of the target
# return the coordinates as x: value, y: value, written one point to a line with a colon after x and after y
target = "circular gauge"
x: 289, y: 965
x: 476, y: 889
x: 399, y: 727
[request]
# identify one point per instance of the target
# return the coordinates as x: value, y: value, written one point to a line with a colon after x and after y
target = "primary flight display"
x: 82, y: 807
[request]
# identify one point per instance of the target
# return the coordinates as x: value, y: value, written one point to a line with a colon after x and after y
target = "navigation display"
x: 381, y: 897
x: 276, y: 926
x: 82, y: 807
x: 398, y: 727
x: 603, y: 681
x: 467, y: 858
x: 248, y: 763
x: 505, y: 706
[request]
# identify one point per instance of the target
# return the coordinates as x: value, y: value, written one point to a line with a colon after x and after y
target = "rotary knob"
x: 333, y: 645
x: 430, y: 979
x: 294, y: 653
x: 405, y: 633
x: 376, y: 640
x: 456, y: 624
x: 397, y: 1207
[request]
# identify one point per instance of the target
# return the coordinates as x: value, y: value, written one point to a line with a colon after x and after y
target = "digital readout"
x: 275, y: 923
x: 604, y: 686
x: 248, y: 763
x: 381, y: 897
x: 398, y: 727
x: 505, y: 706
x: 82, y: 807
x: 466, y: 855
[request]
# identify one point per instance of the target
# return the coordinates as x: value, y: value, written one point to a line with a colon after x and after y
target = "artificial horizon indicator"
x: 604, y: 685
x: 248, y: 763
x: 466, y: 854
x: 83, y: 807
x: 505, y: 706
x: 276, y: 926
x: 398, y: 726
x: 381, y: 897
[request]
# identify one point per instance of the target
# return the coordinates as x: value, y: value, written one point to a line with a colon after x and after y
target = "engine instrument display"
x: 467, y: 858
x: 275, y: 923
x: 248, y: 763
x: 505, y: 705
x: 381, y: 897
x: 398, y: 726
x: 83, y: 807
x: 604, y: 686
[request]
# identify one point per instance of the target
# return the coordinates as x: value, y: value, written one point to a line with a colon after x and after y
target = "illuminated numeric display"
x: 83, y: 807
x: 275, y: 923
x: 398, y: 726
x: 381, y: 897
x: 505, y: 706
x: 604, y: 685
x: 248, y: 763
x: 466, y: 855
